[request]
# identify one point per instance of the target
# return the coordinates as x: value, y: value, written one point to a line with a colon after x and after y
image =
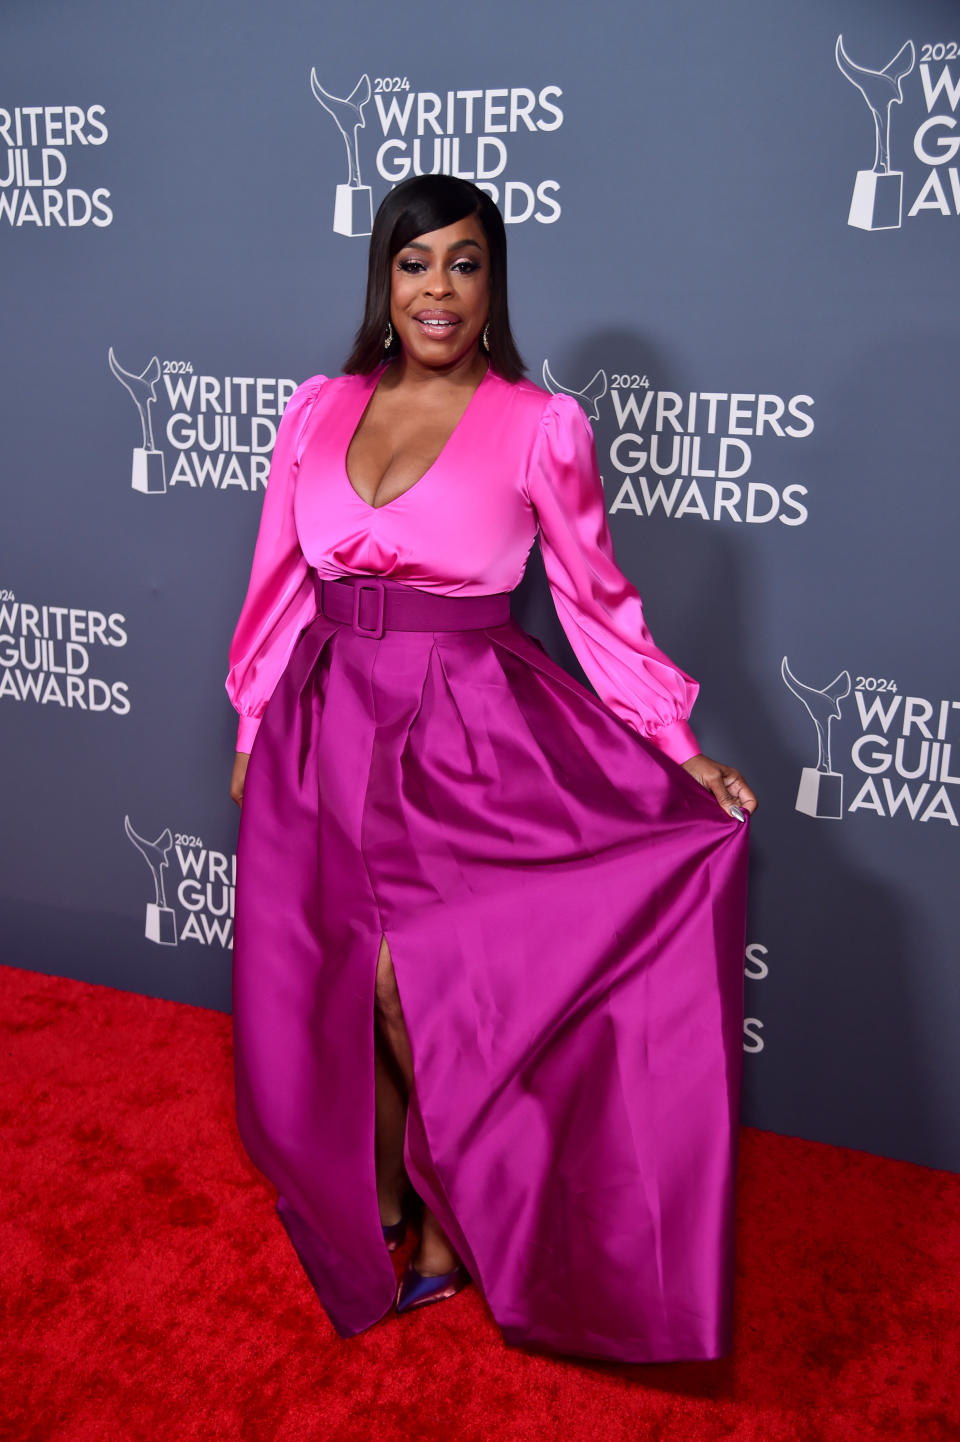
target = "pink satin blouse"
x: 521, y: 462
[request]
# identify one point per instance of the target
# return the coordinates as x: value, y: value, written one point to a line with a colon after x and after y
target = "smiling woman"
x: 489, y: 926
x: 451, y: 268
x: 439, y: 308
x: 413, y: 212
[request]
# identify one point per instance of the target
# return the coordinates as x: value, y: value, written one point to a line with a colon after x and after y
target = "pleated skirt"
x: 565, y: 908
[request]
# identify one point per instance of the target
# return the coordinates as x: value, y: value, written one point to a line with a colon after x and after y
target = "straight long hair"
x: 415, y: 207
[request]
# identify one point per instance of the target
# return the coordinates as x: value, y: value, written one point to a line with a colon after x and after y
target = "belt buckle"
x: 375, y: 631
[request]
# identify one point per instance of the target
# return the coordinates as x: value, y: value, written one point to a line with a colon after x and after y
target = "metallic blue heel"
x: 394, y: 1234
x: 416, y: 1290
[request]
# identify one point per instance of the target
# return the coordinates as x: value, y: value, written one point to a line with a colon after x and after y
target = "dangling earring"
x: 485, y: 338
x: 388, y: 337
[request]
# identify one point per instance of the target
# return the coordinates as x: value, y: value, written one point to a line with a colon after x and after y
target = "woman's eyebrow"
x: 457, y: 245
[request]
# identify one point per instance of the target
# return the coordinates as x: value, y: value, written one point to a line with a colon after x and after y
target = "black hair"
x: 415, y: 207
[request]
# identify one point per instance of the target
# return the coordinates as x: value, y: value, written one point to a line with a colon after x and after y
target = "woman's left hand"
x: 726, y: 783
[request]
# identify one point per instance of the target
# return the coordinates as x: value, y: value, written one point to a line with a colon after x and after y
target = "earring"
x: 485, y: 338
x: 388, y: 337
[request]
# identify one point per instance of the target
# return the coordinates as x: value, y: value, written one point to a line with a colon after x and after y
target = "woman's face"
x: 440, y: 293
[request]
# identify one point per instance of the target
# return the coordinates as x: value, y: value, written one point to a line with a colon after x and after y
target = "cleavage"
x: 390, y: 452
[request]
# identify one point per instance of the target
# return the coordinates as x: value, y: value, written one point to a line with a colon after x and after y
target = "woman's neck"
x: 468, y: 371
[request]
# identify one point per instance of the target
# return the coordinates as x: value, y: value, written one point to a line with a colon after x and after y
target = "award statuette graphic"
x: 592, y: 393
x: 821, y: 788
x: 877, y: 202
x: 161, y: 924
x: 353, y: 210
x: 148, y: 473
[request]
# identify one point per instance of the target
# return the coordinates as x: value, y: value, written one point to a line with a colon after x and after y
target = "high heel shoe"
x: 416, y: 1290
x: 394, y: 1233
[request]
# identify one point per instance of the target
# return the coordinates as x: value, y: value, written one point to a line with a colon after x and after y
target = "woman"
x: 489, y: 932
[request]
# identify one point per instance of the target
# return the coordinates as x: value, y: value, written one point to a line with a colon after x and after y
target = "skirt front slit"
x: 564, y: 908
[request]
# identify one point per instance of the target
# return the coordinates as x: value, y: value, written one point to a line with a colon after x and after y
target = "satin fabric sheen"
x: 520, y: 461
x: 564, y: 907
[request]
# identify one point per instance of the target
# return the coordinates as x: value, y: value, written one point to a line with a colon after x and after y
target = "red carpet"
x: 148, y: 1291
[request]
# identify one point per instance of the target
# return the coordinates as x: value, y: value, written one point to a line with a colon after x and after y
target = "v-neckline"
x: 367, y: 394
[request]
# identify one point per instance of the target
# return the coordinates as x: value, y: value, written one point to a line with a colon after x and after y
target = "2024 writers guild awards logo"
x: 161, y: 922
x: 194, y: 889
x: 672, y: 455
x: 821, y: 788
x: 148, y: 473
x: 475, y: 134
x: 353, y: 208
x: 877, y: 202
x: 897, y: 749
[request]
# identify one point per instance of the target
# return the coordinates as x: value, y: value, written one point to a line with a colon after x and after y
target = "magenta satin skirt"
x: 565, y: 911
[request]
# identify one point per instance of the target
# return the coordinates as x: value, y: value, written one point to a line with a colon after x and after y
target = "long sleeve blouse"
x: 520, y: 465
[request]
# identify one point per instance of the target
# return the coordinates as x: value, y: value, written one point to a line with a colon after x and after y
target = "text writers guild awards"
x: 591, y: 395
x: 161, y: 924
x: 353, y: 210
x: 148, y: 473
x: 877, y: 202
x: 821, y: 788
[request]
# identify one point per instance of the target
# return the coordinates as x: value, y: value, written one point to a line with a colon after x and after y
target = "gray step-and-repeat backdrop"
x: 733, y: 234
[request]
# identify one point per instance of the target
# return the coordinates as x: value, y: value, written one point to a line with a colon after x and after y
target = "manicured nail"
x: 735, y: 811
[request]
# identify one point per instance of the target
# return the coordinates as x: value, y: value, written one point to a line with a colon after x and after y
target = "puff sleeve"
x: 280, y: 599
x: 599, y: 609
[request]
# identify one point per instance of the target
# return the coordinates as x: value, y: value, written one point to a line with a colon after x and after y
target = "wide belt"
x: 372, y: 607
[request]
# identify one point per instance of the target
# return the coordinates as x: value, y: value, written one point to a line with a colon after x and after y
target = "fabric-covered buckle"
x: 377, y: 586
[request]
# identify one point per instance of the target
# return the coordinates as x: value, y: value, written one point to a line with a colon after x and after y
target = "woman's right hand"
x: 239, y: 776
